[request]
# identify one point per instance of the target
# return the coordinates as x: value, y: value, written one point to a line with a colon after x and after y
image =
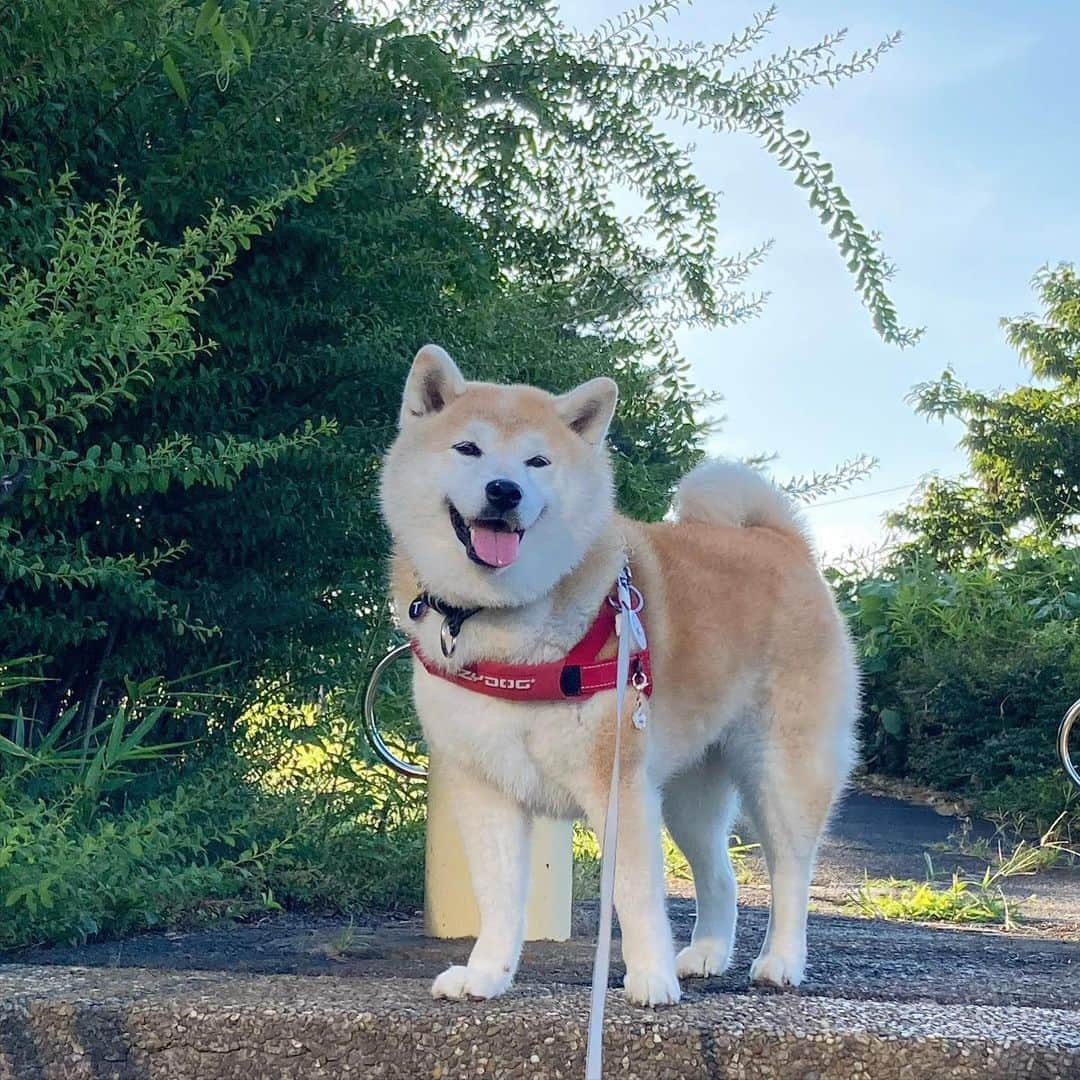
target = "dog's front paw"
x: 778, y: 969
x: 459, y: 982
x: 652, y: 988
x: 702, y: 959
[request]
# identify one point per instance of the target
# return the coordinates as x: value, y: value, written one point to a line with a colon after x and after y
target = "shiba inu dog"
x: 501, y: 507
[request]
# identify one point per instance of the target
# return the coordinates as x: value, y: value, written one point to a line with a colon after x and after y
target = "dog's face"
x: 496, y: 492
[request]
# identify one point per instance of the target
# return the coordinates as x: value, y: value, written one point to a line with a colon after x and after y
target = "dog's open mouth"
x: 488, y: 542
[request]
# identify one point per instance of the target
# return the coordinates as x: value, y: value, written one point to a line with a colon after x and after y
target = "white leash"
x: 627, y: 626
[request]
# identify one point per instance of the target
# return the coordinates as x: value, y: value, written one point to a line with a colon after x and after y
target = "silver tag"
x: 641, y: 715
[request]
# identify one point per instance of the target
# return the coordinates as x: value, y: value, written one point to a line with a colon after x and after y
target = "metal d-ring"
x: 371, y: 728
x: 637, y: 601
x: 1067, y: 723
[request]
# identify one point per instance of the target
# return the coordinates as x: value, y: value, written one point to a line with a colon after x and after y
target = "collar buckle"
x: 453, y: 619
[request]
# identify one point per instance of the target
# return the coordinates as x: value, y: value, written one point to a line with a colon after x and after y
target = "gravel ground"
x: 133, y: 1023
x: 852, y: 958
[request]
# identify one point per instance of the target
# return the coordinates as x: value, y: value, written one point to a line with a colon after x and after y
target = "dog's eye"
x: 537, y: 462
x: 469, y: 449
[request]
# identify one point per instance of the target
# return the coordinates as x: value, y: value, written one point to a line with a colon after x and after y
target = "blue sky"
x: 962, y: 149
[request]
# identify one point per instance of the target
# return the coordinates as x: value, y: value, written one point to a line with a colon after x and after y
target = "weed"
x: 1023, y: 856
x: 964, y: 899
x: 961, y: 901
x: 963, y: 842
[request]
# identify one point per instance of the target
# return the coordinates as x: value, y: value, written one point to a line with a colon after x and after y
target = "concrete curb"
x: 136, y: 1023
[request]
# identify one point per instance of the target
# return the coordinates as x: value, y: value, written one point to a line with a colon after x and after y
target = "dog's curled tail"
x: 729, y: 493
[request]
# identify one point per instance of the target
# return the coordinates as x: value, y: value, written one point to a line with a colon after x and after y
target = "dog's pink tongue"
x: 495, y: 548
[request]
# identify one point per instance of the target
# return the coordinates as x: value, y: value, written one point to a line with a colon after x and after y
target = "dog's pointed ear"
x: 434, y: 381
x: 588, y: 409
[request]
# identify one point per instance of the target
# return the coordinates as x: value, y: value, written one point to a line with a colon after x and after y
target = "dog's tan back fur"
x: 724, y: 600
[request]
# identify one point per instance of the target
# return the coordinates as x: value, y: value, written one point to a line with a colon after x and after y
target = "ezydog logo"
x: 495, y: 682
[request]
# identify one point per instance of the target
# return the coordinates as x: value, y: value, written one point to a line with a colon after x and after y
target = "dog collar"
x: 578, y: 675
x: 453, y: 619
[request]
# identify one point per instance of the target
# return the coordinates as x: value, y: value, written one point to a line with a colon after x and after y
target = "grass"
x: 964, y: 842
x: 964, y: 898
x: 961, y: 901
x: 1023, y: 857
x: 113, y: 831
x: 587, y: 862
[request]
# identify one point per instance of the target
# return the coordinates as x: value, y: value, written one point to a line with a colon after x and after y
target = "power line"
x: 865, y: 495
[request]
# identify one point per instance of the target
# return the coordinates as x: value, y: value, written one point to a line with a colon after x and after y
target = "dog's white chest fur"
x: 535, y: 752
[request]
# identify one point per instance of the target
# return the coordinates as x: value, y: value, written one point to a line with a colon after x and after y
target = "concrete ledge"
x: 134, y: 1023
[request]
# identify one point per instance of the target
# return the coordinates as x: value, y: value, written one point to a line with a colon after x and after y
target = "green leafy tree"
x: 194, y: 412
x: 109, y: 316
x: 1023, y: 445
x: 970, y: 634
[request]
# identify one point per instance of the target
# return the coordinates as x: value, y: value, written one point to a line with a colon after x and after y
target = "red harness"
x: 578, y: 675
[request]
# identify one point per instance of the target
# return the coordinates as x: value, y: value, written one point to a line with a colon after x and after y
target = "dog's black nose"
x: 503, y: 494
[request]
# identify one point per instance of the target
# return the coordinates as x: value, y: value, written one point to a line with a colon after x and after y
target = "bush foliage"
x: 967, y: 674
x: 125, y: 834
x: 195, y: 397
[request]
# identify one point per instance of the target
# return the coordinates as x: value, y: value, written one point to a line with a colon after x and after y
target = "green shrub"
x: 209, y: 845
x: 968, y: 673
x: 118, y: 834
x: 188, y: 458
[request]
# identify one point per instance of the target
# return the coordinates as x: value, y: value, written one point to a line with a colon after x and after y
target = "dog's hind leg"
x: 496, y: 834
x: 789, y: 776
x: 699, y: 806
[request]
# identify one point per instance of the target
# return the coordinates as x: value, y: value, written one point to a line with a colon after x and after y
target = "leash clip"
x: 634, y: 601
x: 630, y: 602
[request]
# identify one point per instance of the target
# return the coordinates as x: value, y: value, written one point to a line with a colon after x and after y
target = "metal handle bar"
x: 371, y: 728
x: 1063, y: 742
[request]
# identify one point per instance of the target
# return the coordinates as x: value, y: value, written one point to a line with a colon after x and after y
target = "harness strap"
x: 578, y: 675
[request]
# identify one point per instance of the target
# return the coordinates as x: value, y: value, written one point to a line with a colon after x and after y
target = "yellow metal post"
x: 449, y: 907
